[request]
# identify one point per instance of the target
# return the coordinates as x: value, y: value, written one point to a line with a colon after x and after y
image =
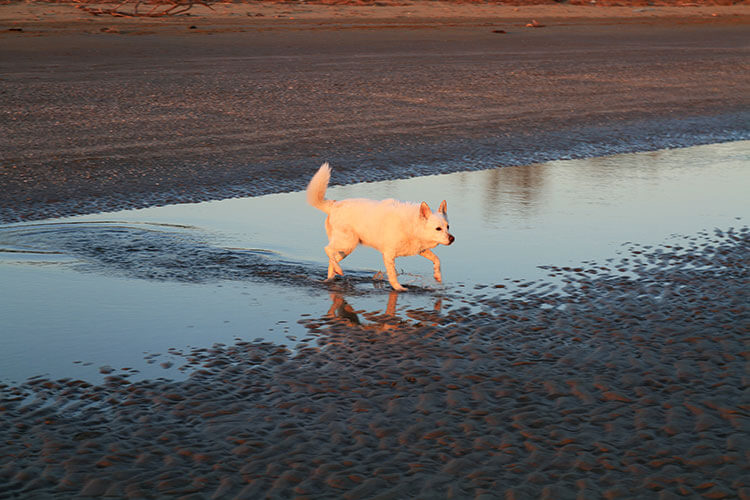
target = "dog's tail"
x: 316, y: 190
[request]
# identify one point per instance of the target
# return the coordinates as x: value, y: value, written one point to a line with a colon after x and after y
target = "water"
x: 136, y: 289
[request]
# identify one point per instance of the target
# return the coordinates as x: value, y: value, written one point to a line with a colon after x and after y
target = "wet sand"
x: 106, y: 113
x: 631, y: 382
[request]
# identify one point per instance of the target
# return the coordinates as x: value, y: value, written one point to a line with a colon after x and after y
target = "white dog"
x: 394, y: 228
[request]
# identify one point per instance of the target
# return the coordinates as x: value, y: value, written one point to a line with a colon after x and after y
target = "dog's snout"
x: 450, y: 238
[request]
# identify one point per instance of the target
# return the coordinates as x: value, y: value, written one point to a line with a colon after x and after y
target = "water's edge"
x: 406, y: 162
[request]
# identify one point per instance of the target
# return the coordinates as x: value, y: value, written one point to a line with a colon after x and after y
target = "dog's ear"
x: 443, y: 209
x: 424, y: 211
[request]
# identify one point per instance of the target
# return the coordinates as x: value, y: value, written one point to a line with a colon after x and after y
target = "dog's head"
x: 435, y: 224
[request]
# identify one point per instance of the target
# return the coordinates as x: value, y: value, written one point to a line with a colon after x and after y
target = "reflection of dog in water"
x: 341, y: 309
x: 395, y: 228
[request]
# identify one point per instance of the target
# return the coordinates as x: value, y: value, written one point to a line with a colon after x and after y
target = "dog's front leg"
x: 390, y: 268
x: 428, y: 254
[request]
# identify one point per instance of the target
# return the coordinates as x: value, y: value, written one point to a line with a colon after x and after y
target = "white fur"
x: 395, y: 228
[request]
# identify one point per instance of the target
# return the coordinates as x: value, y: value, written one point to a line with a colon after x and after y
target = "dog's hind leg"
x: 390, y: 268
x: 330, y: 249
x: 339, y: 246
x: 430, y: 255
x: 333, y: 262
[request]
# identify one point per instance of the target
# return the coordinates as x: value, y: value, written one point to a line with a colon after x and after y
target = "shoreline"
x: 559, y: 148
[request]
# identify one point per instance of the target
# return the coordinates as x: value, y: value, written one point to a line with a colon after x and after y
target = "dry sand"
x: 631, y: 383
x: 102, y: 113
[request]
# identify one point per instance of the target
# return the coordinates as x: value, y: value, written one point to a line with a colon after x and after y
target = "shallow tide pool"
x: 132, y: 292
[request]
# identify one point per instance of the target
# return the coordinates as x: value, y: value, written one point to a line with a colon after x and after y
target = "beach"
x: 619, y: 377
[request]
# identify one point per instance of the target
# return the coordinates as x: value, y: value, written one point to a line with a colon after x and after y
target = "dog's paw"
x: 398, y: 288
x: 438, y: 277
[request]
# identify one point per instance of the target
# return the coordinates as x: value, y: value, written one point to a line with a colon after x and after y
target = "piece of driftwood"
x: 129, y: 8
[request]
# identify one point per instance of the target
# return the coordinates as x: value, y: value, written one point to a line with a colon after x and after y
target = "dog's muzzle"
x: 450, y: 239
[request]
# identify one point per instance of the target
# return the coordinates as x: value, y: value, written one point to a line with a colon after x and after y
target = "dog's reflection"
x: 342, y: 310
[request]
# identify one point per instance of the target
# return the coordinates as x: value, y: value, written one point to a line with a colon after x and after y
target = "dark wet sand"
x: 631, y: 384
x: 162, y: 114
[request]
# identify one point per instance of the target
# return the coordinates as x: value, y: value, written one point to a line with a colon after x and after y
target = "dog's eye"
x: 438, y: 229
